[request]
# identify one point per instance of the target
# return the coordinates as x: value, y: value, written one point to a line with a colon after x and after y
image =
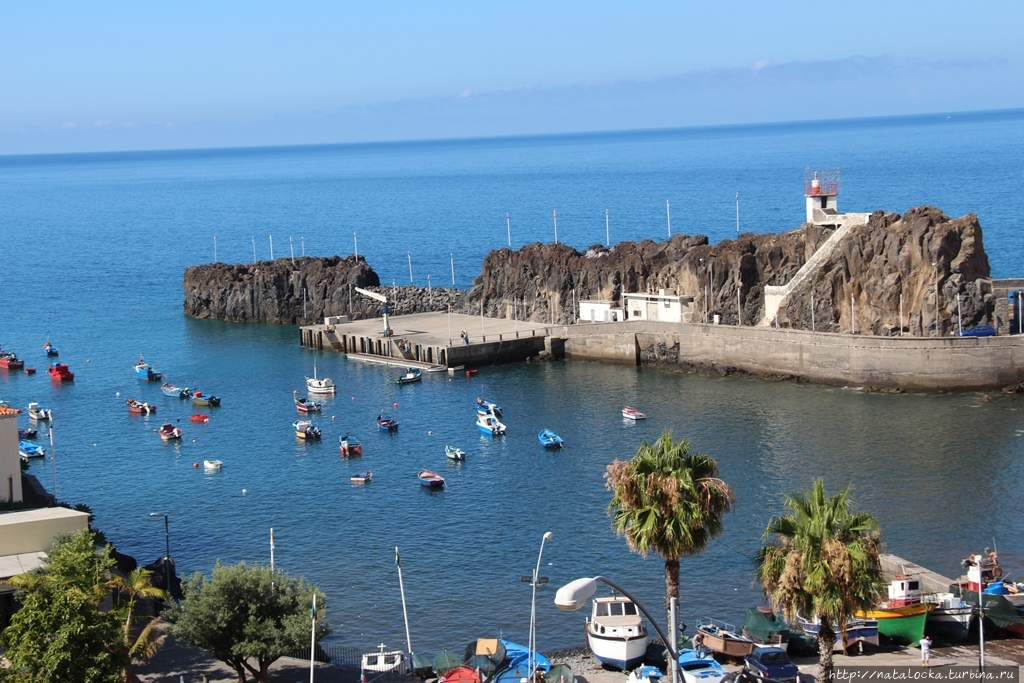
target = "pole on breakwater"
x: 668, y: 216
x: 409, y: 255
x: 508, y: 225
x: 291, y: 247
x: 271, y: 247
x: 215, y: 249
x: 271, y: 550
x: 303, y: 240
x: 607, y: 234
x: 405, y: 613
x: 355, y: 244
x: 451, y: 257
x: 554, y: 215
x: 254, y: 248
x: 737, y: 214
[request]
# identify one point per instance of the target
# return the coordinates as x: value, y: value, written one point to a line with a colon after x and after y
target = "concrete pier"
x: 931, y: 582
x: 425, y: 339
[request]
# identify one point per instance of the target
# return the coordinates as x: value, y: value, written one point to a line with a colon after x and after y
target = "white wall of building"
x: 33, y: 531
x: 10, y: 460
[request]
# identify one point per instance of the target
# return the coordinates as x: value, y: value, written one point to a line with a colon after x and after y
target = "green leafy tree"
x: 60, y: 634
x: 142, y: 636
x: 245, y: 613
x: 669, y: 501
x: 821, y: 563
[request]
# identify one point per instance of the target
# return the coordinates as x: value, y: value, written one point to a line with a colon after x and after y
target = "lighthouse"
x: 821, y: 190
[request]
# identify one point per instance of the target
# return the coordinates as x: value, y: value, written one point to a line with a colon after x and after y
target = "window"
x: 602, y: 609
x: 630, y: 608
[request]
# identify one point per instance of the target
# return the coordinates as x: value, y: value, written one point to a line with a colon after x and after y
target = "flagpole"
x: 405, y: 613
x: 312, y: 640
x: 271, y: 550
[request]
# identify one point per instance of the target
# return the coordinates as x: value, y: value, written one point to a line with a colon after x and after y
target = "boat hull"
x: 902, y: 624
x: 617, y: 652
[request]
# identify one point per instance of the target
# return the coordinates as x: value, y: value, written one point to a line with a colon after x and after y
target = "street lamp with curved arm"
x: 533, y: 610
x: 167, y: 549
x: 575, y: 594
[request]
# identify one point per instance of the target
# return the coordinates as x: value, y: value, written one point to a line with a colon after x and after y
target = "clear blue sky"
x: 120, y: 75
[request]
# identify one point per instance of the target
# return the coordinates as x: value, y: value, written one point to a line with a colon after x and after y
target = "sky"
x: 137, y: 75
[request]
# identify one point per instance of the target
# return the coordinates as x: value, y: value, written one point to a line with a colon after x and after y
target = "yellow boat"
x: 902, y: 616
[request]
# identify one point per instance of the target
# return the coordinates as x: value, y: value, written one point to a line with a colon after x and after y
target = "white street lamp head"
x: 548, y: 535
x: 575, y: 594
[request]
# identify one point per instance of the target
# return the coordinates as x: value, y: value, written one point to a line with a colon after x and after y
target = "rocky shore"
x: 922, y: 259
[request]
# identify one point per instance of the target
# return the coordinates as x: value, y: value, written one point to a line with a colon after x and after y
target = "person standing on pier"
x: 926, y: 651
x: 465, y: 336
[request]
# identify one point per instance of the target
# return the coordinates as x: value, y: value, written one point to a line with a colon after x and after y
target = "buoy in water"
x: 195, y: 464
x: 244, y: 491
x: 396, y: 404
x: 88, y: 360
x: 117, y: 393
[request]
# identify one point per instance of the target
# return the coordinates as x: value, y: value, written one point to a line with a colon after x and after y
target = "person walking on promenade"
x: 926, y: 651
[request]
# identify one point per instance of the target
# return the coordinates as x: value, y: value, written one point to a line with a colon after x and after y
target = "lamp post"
x: 535, y: 580
x: 167, y: 549
x: 575, y: 594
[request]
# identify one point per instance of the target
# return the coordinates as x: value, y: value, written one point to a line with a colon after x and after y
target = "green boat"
x: 901, y: 618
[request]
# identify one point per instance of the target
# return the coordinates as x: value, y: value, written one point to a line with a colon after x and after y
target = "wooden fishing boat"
x: 725, y: 639
x: 9, y: 360
x: 902, y: 616
x: 349, y: 447
x: 453, y: 453
x: 549, y: 439
x: 307, y: 405
x: 27, y: 433
x: 61, y: 373
x: 169, y: 432
x: 199, y: 418
x: 430, y: 480
x: 412, y: 375
x: 462, y: 674
x: 50, y: 349
x: 305, y: 430
x: 630, y: 413
x: 212, y: 465
x: 169, y: 389
x: 139, y: 407
x: 144, y: 371
x: 487, y: 408
x: 362, y: 477
x: 201, y: 399
x: 319, y: 385
x: 38, y: 413
x: 386, y: 424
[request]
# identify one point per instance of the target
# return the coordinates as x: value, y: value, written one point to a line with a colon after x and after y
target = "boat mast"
x: 405, y: 613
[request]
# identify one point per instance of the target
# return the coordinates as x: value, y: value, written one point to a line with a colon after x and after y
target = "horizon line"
x: 974, y: 114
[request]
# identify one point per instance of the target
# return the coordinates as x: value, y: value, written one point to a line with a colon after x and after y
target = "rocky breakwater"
x: 302, y: 291
x: 875, y: 264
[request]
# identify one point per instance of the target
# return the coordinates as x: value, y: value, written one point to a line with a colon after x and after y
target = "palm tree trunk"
x: 826, y: 641
x: 671, y: 584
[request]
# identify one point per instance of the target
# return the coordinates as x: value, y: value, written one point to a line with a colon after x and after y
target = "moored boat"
x: 453, y: 453
x: 319, y: 385
x: 488, y: 424
x: 30, y: 450
x: 631, y: 413
x: 10, y: 361
x: 430, y: 480
x: 139, y: 407
x: 60, y: 372
x: 950, y: 619
x: 27, y: 433
x: 212, y: 465
x: 902, y: 616
x: 411, y: 375
x: 362, y: 477
x: 39, y: 413
x: 616, y: 633
x: 169, y: 389
x: 373, y: 665
x: 724, y: 638
x: 199, y: 418
x: 349, y: 447
x: 307, y: 405
x: 305, y: 430
x: 699, y: 667
x: 169, y: 432
x: 463, y: 673
x: 51, y: 350
x: 858, y: 632
x: 144, y: 371
x: 386, y: 424
x: 518, y: 664
x: 201, y: 399
x: 549, y: 439
x: 484, y: 407
x: 645, y: 674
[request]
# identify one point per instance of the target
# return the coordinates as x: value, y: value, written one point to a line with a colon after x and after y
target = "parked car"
x: 979, y: 331
x: 771, y: 662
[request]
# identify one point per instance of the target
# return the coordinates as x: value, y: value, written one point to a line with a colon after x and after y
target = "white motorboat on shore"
x: 374, y: 664
x: 616, y: 633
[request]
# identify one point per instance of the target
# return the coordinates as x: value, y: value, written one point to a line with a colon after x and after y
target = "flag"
x: 398, y: 560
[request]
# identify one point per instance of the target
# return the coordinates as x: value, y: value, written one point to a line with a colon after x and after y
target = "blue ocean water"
x: 96, y: 246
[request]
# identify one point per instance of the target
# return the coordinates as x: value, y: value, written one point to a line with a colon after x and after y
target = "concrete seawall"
x: 913, y: 363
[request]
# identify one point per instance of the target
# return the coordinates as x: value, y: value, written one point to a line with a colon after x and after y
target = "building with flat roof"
x: 10, y: 459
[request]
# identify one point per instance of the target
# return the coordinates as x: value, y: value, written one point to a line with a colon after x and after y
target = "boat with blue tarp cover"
x: 549, y: 439
x: 518, y: 664
x: 700, y: 667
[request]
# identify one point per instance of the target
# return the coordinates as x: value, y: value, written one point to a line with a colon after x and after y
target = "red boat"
x: 349, y: 447
x: 60, y: 372
x: 200, y: 418
x: 169, y: 432
x: 139, y: 408
x: 10, y: 361
x: 431, y: 480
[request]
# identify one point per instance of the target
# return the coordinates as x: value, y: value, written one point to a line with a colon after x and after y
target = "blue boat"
x: 549, y: 439
x: 51, y: 350
x: 413, y: 375
x: 386, y: 424
x: 169, y: 389
x: 517, y: 666
x: 645, y: 674
x: 30, y: 450
x: 487, y: 408
x: 700, y: 667
x: 144, y: 371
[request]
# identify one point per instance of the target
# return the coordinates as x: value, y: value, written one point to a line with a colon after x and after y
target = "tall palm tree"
x: 136, y: 586
x: 822, y: 563
x: 669, y: 501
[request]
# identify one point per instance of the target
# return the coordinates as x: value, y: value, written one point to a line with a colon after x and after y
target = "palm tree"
x: 136, y: 586
x: 669, y: 501
x: 821, y: 563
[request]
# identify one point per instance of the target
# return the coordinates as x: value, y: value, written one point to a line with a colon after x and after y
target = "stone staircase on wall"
x: 775, y: 296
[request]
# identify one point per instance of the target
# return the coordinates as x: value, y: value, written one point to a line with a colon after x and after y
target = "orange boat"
x: 60, y: 372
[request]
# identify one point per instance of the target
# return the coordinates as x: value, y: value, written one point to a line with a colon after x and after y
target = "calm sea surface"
x: 94, y: 251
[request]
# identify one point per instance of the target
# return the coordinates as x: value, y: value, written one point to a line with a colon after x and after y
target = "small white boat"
x: 630, y: 413
x: 615, y: 633
x: 645, y: 674
x: 169, y: 432
x: 212, y: 465
x: 319, y: 385
x: 38, y: 413
x: 374, y: 664
x: 489, y: 424
x: 453, y: 453
x: 362, y: 478
x: 305, y: 430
